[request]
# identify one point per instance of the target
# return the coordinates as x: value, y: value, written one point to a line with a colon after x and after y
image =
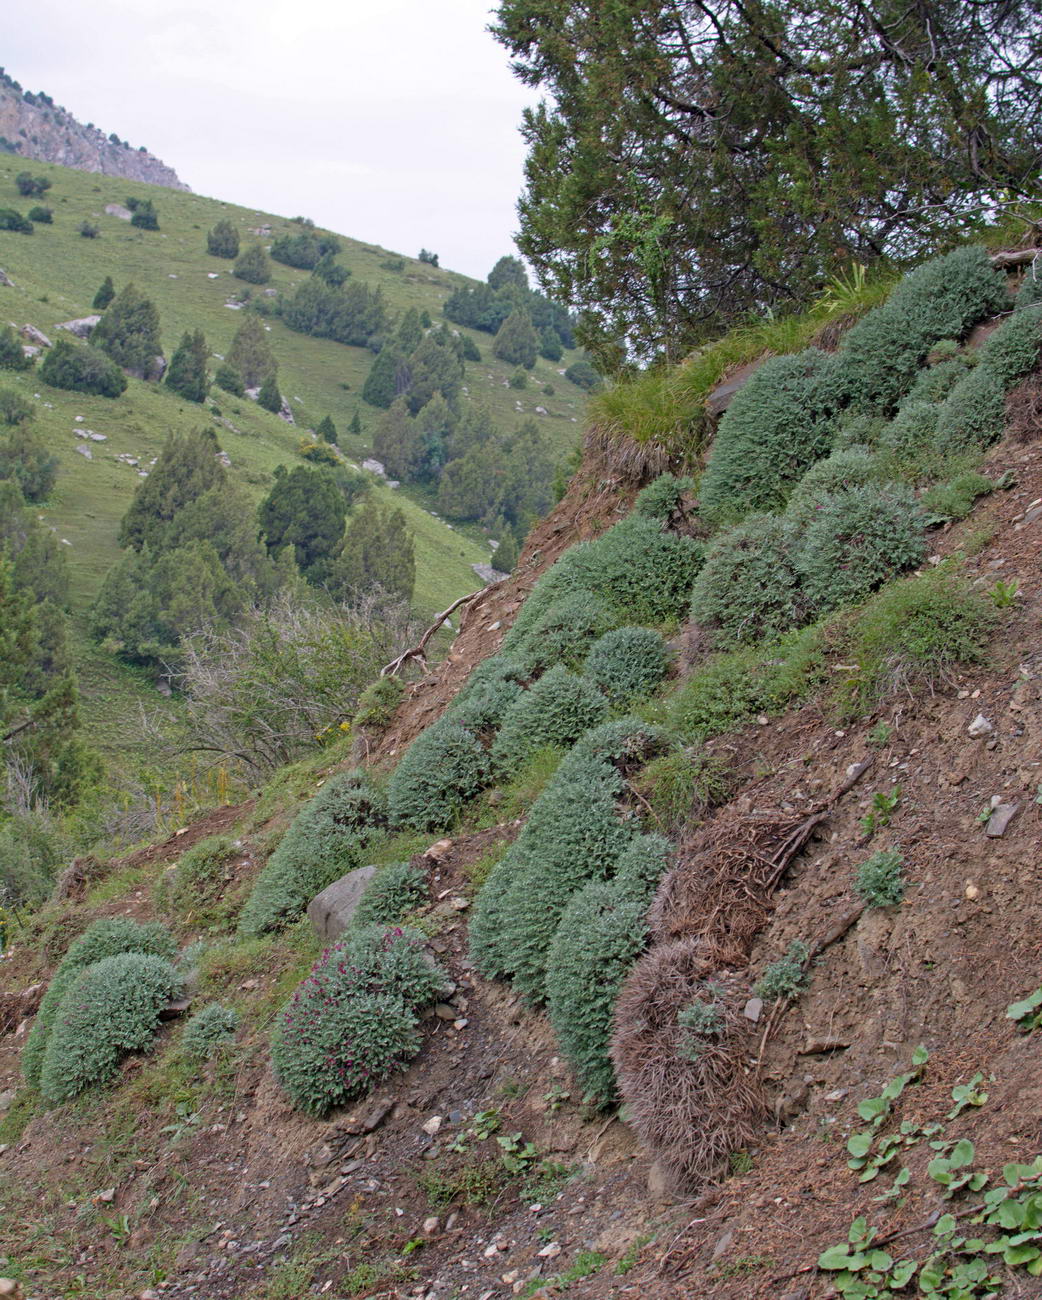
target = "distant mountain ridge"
x: 32, y: 126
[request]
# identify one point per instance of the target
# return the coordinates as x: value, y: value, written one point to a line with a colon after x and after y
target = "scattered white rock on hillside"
x: 83, y: 327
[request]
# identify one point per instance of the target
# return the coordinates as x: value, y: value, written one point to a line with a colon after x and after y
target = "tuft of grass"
x: 683, y: 784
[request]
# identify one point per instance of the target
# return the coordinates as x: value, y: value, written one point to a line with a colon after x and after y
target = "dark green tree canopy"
x: 187, y: 467
x: 253, y: 265
x: 377, y: 551
x: 186, y: 374
x: 508, y: 271
x: 305, y: 509
x: 517, y: 342
x: 129, y: 331
x: 269, y: 396
x: 250, y: 352
x: 699, y: 159
x: 223, y: 240
x: 106, y: 292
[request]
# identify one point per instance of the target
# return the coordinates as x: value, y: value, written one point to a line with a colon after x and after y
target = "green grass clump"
x: 112, y: 1009
x: 354, y: 1019
x: 850, y: 467
x: 209, y: 1029
x: 973, y: 414
x: 601, y: 933
x: 859, y: 539
x: 778, y: 424
x: 328, y: 838
x: 627, y: 664
x: 880, y: 879
x: 732, y: 688
x: 954, y: 499
x: 915, y: 633
x: 377, y: 703
x: 944, y: 298
x: 107, y: 937
x: 748, y: 588
x: 555, y: 711
x: 1013, y: 350
x: 392, y: 893
x: 442, y: 768
x: 683, y: 784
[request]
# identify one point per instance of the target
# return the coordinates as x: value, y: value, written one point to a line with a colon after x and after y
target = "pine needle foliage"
x: 328, y: 838
x: 112, y: 1009
x: 107, y: 937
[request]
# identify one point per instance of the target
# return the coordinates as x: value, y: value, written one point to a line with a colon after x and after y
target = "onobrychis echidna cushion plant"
x: 443, y: 767
x: 627, y: 664
x: 209, y: 1029
x: 327, y: 838
x: 106, y: 937
x: 355, y: 1018
x: 111, y: 1009
x: 779, y: 423
x: 850, y: 467
x: 556, y: 710
x: 392, y: 893
x: 749, y: 588
x: 601, y: 933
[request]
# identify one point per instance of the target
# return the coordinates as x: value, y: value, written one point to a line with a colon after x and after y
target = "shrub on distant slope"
x: 82, y: 370
x: 328, y: 838
x: 555, y: 711
x: 442, y: 768
x: 107, y: 937
x: 112, y: 1009
x: 354, y: 1020
x: 879, y: 356
x: 627, y: 664
x: 748, y: 586
x: 860, y: 538
x: 778, y: 424
x: 128, y: 331
x: 253, y: 265
x: 12, y: 354
x: 222, y: 240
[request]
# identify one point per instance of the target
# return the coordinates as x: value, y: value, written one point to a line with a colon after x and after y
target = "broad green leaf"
x: 920, y: 1056
x: 840, y: 1257
x: 859, y: 1144
x: 880, y: 1259
x: 938, y: 1170
x: 903, y: 1272
x: 944, y: 1226
x: 1021, y: 1254
x: 963, y: 1154
x: 872, y: 1108
x: 1010, y: 1215
x: 858, y: 1229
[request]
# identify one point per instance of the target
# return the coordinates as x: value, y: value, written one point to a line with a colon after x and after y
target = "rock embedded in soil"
x: 333, y: 910
x: 1000, y: 819
x: 980, y: 726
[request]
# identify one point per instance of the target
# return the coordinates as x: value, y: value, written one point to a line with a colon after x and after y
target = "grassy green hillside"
x: 55, y: 274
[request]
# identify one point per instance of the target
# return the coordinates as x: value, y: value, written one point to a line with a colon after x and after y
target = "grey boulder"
x: 332, y: 911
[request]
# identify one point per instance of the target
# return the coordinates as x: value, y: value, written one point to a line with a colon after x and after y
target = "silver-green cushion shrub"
x: 912, y: 430
x: 973, y: 414
x: 857, y: 429
x: 944, y: 298
x: 662, y: 496
x: 200, y: 876
x: 555, y: 711
x: 211, y: 1028
x: 640, y: 569
x: 860, y: 538
x: 327, y: 838
x: 627, y: 664
x: 748, y: 588
x: 106, y: 937
x: 565, y: 632
x: 354, y: 1019
x: 443, y: 767
x: 934, y: 383
x: 573, y: 834
x: 640, y: 866
x: 1013, y: 350
x: 1030, y: 292
x: 110, y: 1010
x: 392, y: 893
x: 778, y: 424
x: 600, y: 935
x: 487, y: 694
x: 850, y: 467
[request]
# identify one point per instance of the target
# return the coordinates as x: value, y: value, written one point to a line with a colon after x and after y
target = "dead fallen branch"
x: 419, y: 650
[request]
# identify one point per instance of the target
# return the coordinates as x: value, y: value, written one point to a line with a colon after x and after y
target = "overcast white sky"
x: 393, y: 121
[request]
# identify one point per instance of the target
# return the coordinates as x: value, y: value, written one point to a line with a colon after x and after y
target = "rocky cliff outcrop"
x: 33, y: 126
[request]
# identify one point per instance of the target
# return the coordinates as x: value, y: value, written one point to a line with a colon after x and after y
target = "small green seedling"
x: 1004, y: 594
x: 880, y: 734
x: 883, y: 808
x: 1028, y: 1013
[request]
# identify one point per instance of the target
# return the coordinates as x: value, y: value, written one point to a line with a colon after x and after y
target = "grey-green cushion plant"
x: 391, y: 895
x: 973, y: 414
x: 209, y: 1029
x: 627, y: 664
x: 556, y: 710
x: 860, y: 538
x: 113, y: 1008
x: 749, y: 588
x: 442, y: 769
x: 852, y: 466
x: 106, y: 937
x: 327, y: 838
x: 1013, y: 350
